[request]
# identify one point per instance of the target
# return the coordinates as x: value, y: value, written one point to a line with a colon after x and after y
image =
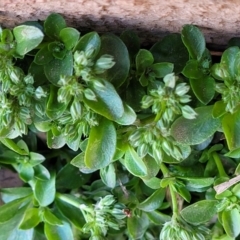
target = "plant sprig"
x: 113, y: 141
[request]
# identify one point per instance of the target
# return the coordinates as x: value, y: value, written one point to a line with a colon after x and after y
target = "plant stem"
x: 218, y: 162
x: 164, y: 169
x: 174, y: 201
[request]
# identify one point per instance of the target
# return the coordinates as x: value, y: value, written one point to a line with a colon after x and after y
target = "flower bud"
x: 103, y: 63
x: 188, y: 112
x: 181, y: 89
x: 76, y: 110
x: 90, y: 95
x: 39, y: 93
x: 170, y: 80
x: 147, y: 101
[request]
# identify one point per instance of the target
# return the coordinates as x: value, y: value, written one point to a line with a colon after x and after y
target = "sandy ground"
x: 152, y: 19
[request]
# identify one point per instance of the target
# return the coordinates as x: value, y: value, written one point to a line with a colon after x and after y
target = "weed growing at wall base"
x: 113, y: 141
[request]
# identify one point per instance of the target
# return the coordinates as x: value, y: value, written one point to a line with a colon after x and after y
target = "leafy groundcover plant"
x: 113, y: 141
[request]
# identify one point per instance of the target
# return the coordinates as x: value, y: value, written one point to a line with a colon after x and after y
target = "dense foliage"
x: 117, y: 142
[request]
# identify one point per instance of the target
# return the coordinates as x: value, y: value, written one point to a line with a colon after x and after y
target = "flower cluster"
x: 178, y: 229
x: 150, y: 139
x: 168, y: 100
x: 103, y: 215
x: 86, y: 68
x: 230, y: 95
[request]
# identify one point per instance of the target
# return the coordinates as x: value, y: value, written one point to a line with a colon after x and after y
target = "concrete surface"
x: 152, y: 19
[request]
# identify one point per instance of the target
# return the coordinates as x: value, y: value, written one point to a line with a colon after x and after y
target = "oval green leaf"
x: 89, y: 42
x: 231, y: 129
x: 30, y: 219
x: 230, y: 222
x: 200, y: 212
x: 53, y: 25
x: 113, y: 45
x: 153, y: 202
x: 69, y: 36
x: 27, y: 38
x: 44, y: 191
x: 194, y: 41
x: 108, y: 103
x: 134, y: 163
x: 101, y: 145
x: 171, y: 49
x: 195, y: 131
x: 57, y: 68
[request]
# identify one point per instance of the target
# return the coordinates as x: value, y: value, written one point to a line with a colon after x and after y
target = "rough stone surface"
x: 8, y: 179
x: 152, y: 19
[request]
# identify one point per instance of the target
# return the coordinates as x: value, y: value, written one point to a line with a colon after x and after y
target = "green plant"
x: 116, y: 142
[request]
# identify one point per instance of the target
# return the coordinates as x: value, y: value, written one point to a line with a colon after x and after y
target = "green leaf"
x: 26, y: 172
x: 89, y: 42
x: 38, y: 74
x: 195, y: 131
x: 153, y: 183
x: 235, y: 153
x: 194, y: 41
x: 69, y: 36
x: 45, y: 191
x: 231, y: 129
x: 8, y: 210
x: 30, y: 219
x: 43, y: 56
x: 144, y: 59
x: 101, y: 145
x: 171, y: 49
x: 108, y: 104
x: 53, y: 25
x: 218, y: 72
x: 134, y: 163
x: 41, y: 172
x: 137, y: 226
x: 108, y: 176
x: 227, y: 63
x: 129, y: 116
x: 70, y: 177
x: 10, y: 231
x: 79, y: 162
x: 162, y: 69
x: 10, y: 194
x: 49, y: 217
x: 158, y: 217
x: 36, y: 158
x: 60, y: 232
x: 132, y: 42
x: 203, y: 88
x: 195, y: 182
x: 71, y: 212
x: 153, y: 202
x: 200, y: 212
x: 219, y: 109
x: 113, y: 45
x: 27, y: 37
x: 230, y: 222
x: 59, y: 67
x: 192, y: 70
x: 54, y: 108
x: 13, y: 146
x: 182, y: 191
x: 55, y: 142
